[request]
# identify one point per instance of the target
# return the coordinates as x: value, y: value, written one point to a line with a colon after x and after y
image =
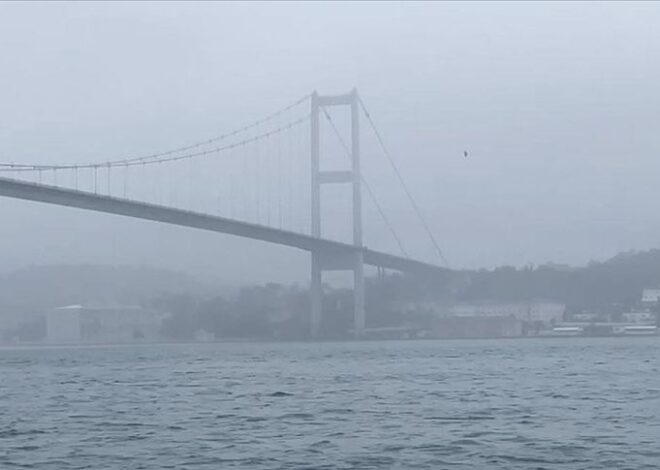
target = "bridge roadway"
x: 335, y: 255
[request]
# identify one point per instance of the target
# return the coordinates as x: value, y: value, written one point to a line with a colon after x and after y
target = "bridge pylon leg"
x: 358, y: 295
x: 316, y: 291
x: 352, y: 262
x: 351, y: 178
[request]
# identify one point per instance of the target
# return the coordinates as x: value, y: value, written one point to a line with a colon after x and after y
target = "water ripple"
x: 587, y: 404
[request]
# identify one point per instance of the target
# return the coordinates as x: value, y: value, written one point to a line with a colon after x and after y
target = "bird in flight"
x: 465, y: 154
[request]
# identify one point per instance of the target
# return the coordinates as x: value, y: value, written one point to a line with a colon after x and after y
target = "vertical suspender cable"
x: 244, y: 190
x: 269, y: 178
x: 279, y: 179
x: 257, y: 174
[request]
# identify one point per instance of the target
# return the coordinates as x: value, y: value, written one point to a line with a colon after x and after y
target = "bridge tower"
x: 324, y: 260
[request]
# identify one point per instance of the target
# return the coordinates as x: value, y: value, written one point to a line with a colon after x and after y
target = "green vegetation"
x: 275, y: 311
x: 609, y: 286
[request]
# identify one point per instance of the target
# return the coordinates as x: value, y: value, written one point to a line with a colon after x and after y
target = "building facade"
x: 651, y: 296
x: 490, y: 319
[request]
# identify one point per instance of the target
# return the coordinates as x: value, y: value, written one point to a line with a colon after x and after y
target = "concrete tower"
x: 324, y: 260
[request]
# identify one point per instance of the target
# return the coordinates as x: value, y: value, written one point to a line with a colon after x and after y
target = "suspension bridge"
x: 258, y: 182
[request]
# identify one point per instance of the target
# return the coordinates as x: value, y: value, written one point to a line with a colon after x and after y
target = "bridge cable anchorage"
x: 4, y: 166
x: 370, y: 192
x: 413, y: 203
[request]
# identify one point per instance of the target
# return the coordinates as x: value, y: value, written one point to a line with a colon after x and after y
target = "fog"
x: 526, y: 136
x: 555, y: 103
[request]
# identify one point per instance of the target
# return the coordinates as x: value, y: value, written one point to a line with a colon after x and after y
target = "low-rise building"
x: 589, y: 317
x: 544, y: 312
x: 476, y: 327
x: 489, y: 318
x: 643, y: 318
x: 651, y: 297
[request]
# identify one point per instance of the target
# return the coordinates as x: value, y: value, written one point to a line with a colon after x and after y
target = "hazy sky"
x: 556, y: 103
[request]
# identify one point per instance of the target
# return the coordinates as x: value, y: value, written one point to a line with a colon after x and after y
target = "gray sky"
x: 556, y: 103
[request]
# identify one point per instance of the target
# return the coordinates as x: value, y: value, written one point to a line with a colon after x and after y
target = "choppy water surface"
x: 566, y: 404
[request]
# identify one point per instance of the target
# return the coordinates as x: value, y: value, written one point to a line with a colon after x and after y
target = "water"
x: 514, y: 404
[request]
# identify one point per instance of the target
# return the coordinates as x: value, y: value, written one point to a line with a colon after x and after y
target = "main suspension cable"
x: 157, y: 156
x: 125, y: 163
x: 366, y: 185
x: 416, y: 208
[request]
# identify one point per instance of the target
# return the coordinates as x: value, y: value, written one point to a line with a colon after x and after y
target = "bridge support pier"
x: 329, y: 261
x: 316, y: 291
x: 333, y: 261
x: 359, y: 317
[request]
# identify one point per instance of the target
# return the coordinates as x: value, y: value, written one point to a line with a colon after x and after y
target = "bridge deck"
x: 126, y: 207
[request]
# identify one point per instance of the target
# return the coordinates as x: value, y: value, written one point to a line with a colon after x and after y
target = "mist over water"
x: 555, y: 103
x: 558, y: 404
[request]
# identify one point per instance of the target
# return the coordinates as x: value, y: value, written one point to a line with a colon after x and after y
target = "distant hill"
x: 48, y: 286
x: 615, y: 283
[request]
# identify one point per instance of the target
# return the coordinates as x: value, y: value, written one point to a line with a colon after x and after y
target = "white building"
x: 647, y: 318
x: 650, y: 296
x: 63, y: 325
x: 79, y: 324
x: 489, y: 318
x: 589, y: 317
x: 545, y: 312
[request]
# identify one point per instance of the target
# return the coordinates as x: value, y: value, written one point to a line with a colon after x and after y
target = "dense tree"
x: 282, y: 312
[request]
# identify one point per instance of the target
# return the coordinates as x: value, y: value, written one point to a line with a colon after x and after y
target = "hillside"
x: 612, y: 284
x: 48, y: 286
